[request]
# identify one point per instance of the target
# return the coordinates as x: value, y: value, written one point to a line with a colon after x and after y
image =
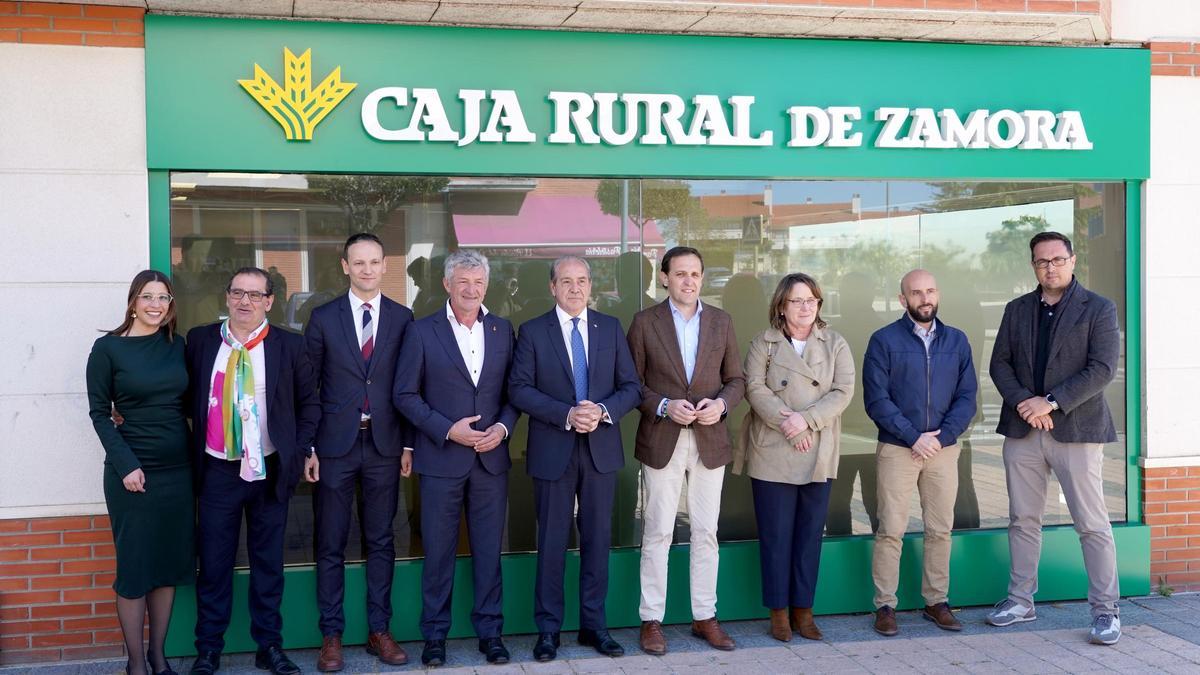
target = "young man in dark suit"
x: 451, y: 384
x: 573, y: 375
x: 1056, y: 351
x: 686, y: 355
x: 254, y: 409
x: 354, y: 344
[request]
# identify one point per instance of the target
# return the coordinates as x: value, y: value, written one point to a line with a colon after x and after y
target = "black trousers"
x: 791, y: 520
x: 335, y: 499
x: 556, y: 510
x: 224, y: 499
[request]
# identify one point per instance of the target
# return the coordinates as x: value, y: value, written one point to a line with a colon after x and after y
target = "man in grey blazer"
x: 1056, y: 350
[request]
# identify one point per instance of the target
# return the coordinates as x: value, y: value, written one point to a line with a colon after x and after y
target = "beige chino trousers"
x: 897, y: 475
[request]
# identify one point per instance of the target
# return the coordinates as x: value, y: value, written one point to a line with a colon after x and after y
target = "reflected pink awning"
x: 553, y: 225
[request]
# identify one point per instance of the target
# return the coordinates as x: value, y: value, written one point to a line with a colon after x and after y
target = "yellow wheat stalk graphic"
x: 296, y: 106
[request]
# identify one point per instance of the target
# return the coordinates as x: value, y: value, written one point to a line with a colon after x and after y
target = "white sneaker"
x: 1106, y: 630
x: 1007, y: 612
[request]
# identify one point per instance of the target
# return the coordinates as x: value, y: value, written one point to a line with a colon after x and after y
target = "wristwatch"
x: 1053, y: 403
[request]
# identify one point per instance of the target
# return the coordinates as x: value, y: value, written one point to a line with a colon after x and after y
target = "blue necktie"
x: 579, y: 357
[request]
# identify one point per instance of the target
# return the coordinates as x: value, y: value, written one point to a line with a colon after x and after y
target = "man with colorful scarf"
x: 254, y: 410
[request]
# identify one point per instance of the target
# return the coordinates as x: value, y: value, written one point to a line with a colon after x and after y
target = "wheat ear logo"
x: 296, y: 106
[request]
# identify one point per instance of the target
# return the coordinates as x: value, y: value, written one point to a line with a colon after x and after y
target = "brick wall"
x: 1171, y: 504
x: 1175, y: 58
x: 57, y: 23
x: 56, y: 597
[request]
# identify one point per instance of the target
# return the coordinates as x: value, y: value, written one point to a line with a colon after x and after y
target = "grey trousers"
x: 1027, y: 463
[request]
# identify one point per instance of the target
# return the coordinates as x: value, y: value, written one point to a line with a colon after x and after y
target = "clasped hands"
x: 482, y: 441
x: 1036, y: 412
x: 585, y: 417
x: 707, y: 411
x: 793, y: 427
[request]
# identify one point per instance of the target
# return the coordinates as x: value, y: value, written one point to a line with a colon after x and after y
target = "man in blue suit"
x: 254, y: 409
x: 574, y: 375
x: 451, y: 384
x: 354, y: 343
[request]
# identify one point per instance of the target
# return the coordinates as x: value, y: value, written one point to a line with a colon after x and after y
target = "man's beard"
x: 915, y: 314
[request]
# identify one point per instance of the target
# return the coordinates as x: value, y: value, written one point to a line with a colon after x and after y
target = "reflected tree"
x: 367, y: 200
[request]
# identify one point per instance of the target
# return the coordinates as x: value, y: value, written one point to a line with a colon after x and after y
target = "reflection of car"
x: 716, y: 278
x: 294, y: 303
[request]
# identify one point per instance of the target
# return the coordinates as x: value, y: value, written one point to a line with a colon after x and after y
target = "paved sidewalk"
x: 1161, y: 635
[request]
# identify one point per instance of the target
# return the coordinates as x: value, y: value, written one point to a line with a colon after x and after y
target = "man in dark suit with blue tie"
x: 254, y: 409
x: 574, y: 376
x: 451, y: 384
x: 354, y: 343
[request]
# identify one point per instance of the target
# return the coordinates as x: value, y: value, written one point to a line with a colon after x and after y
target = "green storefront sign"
x: 273, y: 96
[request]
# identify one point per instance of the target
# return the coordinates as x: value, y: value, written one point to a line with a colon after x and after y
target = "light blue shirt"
x: 687, y: 333
x: 925, y: 335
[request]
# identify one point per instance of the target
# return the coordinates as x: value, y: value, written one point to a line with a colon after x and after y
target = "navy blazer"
x: 434, y: 390
x: 543, y: 386
x: 346, y: 378
x: 293, y: 408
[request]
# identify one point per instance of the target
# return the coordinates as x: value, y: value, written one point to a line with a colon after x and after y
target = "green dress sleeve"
x: 100, y: 399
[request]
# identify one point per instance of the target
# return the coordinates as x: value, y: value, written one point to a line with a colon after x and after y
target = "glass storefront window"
x: 856, y: 238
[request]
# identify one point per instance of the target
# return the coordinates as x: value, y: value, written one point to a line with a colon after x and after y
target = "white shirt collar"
x: 483, y: 311
x: 675, y: 310
x: 356, y: 304
x: 565, y: 319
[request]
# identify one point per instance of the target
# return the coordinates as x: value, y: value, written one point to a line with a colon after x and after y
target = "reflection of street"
x: 988, y: 472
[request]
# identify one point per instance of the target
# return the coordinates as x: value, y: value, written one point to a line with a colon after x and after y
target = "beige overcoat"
x: 817, y: 384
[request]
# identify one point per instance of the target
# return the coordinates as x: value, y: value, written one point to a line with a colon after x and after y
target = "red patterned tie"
x: 368, y: 345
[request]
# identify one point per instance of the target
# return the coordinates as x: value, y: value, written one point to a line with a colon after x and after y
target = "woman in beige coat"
x: 799, y: 379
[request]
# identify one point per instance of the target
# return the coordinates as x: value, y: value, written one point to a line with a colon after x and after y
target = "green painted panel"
x: 160, y: 220
x: 200, y: 118
x: 978, y: 576
x: 1133, y: 349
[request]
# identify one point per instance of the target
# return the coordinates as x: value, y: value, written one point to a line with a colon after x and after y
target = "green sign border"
x: 200, y: 118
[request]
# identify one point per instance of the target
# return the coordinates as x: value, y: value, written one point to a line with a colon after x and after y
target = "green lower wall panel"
x: 978, y: 576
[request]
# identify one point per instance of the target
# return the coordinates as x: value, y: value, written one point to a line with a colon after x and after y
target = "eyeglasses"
x: 163, y: 299
x: 238, y: 294
x: 1042, y: 263
x: 803, y: 302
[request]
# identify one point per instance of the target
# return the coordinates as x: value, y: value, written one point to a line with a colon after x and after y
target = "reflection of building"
x: 550, y: 218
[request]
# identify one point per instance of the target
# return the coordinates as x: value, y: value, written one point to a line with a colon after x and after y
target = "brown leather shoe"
x: 713, y: 634
x: 941, y: 615
x: 385, y: 648
x: 329, y: 659
x: 885, y: 621
x: 802, y: 623
x: 652, y: 640
x: 780, y: 630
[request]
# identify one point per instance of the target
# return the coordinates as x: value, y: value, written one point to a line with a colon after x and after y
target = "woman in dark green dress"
x: 138, y: 369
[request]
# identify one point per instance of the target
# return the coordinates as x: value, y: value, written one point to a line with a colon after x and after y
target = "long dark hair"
x: 779, y: 300
x: 135, y: 289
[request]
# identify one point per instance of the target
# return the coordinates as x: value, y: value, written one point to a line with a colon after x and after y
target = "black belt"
x: 365, y: 424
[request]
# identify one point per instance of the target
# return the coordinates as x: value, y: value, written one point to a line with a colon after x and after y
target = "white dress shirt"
x: 470, y: 341
x: 471, y: 346
x: 566, y: 324
x: 356, y: 307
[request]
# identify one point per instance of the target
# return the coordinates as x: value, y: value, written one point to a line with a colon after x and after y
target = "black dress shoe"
x: 602, y: 641
x: 434, y: 653
x: 206, y: 663
x: 546, y: 647
x: 273, y: 659
x: 166, y: 671
x: 493, y: 649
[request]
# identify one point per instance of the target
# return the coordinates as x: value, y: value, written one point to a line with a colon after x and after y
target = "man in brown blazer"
x: 687, y: 358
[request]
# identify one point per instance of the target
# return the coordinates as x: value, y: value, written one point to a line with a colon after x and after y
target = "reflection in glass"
x: 856, y: 237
